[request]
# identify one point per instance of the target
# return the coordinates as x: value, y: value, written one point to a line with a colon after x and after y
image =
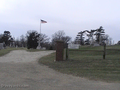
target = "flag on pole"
x: 43, y: 21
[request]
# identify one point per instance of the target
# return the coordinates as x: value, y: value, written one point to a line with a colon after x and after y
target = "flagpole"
x: 40, y: 33
x: 41, y: 21
x: 38, y: 47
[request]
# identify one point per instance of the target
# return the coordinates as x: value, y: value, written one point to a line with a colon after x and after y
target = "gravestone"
x: 73, y: 46
x: 1, y: 46
x: 96, y: 44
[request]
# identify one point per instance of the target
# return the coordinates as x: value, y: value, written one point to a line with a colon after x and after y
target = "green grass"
x: 89, y: 64
x: 8, y: 49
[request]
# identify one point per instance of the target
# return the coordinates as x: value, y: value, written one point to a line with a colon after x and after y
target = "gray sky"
x: 72, y: 16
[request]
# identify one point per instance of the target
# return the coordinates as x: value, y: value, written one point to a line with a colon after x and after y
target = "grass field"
x: 87, y: 62
x: 8, y: 49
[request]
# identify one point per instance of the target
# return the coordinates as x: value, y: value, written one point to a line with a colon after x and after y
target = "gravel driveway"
x: 19, y: 70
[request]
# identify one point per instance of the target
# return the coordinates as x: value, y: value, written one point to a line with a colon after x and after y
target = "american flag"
x: 43, y: 21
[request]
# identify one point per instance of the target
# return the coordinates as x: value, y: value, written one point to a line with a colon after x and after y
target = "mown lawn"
x: 8, y: 49
x: 89, y: 63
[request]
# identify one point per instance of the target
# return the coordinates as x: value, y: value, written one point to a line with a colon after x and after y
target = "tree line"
x: 93, y: 36
x: 30, y: 40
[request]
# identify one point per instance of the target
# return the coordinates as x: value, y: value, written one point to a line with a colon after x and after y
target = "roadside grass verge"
x: 88, y: 64
x: 8, y: 49
x: 35, y: 50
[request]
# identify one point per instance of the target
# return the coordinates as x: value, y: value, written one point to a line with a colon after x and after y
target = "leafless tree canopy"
x: 60, y: 35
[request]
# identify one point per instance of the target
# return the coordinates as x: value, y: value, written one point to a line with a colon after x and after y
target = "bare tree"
x: 23, y: 41
x: 66, y: 39
x: 110, y: 41
x: 17, y: 42
x: 60, y: 35
x: 44, y: 40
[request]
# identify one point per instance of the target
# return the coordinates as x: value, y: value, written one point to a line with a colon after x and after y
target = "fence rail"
x: 103, y: 53
x: 86, y: 50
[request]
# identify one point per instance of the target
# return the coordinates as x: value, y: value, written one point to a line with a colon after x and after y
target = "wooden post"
x: 104, y: 52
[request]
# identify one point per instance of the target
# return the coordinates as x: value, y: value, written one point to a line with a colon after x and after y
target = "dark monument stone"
x: 59, y: 50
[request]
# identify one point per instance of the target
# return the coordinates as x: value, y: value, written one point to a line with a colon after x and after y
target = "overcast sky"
x: 72, y: 16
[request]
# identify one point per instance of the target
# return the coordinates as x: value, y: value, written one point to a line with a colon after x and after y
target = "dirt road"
x: 19, y: 70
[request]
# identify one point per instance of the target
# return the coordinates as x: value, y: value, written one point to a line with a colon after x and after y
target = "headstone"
x: 16, y: 46
x: 43, y: 48
x: 73, y: 46
x: 96, y: 44
x: 1, y: 46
